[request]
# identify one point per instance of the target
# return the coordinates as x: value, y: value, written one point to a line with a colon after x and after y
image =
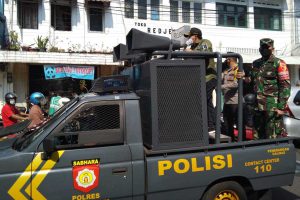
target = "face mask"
x: 12, y: 101
x: 266, y: 53
x: 43, y: 101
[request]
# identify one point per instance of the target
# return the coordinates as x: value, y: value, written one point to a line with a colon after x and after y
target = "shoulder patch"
x: 204, y: 47
x: 283, y: 72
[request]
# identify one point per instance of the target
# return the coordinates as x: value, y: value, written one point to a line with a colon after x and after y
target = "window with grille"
x: 267, y: 19
x: 128, y: 9
x: 197, y: 13
x: 232, y: 15
x: 155, y: 9
x: 142, y: 12
x: 93, y: 125
x: 61, y: 17
x: 186, y: 12
x: 28, y: 15
x: 96, y: 19
x: 173, y: 11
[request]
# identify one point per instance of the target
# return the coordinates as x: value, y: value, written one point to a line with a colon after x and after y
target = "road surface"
x: 289, y: 192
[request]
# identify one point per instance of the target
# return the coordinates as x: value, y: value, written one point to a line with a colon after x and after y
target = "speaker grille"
x: 179, y: 107
x: 173, y: 103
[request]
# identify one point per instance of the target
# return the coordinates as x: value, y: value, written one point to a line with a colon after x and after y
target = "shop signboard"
x: 62, y: 71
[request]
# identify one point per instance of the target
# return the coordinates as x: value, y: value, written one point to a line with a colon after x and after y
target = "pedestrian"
x: 271, y: 84
x: 82, y: 87
x: 230, y: 91
x: 204, y: 45
x: 36, y: 114
x: 54, y: 105
x: 10, y: 114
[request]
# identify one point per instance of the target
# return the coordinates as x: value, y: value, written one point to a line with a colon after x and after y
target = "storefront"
x: 29, y: 78
x: 63, y: 85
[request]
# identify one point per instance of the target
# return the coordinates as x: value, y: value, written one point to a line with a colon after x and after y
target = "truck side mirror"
x: 49, y: 147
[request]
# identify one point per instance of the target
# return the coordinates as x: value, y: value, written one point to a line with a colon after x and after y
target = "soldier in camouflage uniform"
x: 204, y: 45
x: 271, y: 83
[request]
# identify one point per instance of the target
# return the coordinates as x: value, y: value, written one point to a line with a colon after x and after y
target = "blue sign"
x: 62, y: 71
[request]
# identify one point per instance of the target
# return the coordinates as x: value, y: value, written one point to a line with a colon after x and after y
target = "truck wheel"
x: 228, y: 190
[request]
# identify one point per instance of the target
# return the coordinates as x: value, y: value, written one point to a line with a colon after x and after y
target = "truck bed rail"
x: 221, y: 146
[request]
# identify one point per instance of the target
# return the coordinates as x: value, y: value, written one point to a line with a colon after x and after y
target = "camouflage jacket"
x: 271, y: 83
x: 206, y: 46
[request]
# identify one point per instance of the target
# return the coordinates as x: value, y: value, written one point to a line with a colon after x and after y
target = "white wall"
x: 20, y: 80
x: 117, y: 26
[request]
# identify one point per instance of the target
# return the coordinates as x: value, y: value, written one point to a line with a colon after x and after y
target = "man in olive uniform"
x: 271, y: 83
x: 204, y: 45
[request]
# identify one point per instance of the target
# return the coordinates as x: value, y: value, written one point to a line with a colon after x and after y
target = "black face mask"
x: 265, y: 53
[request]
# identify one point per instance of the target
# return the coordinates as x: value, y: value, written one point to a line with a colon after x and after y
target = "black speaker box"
x: 173, y: 103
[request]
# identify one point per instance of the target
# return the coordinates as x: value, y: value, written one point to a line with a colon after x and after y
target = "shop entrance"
x: 66, y: 87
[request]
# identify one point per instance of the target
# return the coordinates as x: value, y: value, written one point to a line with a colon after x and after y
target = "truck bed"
x: 186, y: 173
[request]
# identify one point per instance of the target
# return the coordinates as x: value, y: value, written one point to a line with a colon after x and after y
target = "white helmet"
x: 62, y: 101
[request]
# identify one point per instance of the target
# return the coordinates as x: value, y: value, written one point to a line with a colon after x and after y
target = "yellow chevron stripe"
x: 41, y: 175
x: 15, y: 190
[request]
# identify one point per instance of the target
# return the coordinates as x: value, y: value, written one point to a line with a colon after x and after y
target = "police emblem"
x: 85, y: 178
x: 86, y: 174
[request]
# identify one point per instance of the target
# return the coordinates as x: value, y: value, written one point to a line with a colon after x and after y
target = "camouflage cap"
x: 267, y: 41
x: 193, y: 31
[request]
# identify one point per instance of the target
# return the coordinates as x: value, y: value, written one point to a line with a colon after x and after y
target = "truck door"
x: 93, y: 160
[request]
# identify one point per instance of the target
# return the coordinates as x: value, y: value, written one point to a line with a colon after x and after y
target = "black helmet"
x: 250, y: 99
x: 9, y: 96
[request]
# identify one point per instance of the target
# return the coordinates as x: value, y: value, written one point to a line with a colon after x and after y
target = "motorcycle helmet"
x: 37, y: 98
x: 10, y: 96
x: 63, y: 101
x: 250, y: 99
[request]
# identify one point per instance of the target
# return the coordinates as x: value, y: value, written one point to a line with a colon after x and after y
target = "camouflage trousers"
x: 267, y: 125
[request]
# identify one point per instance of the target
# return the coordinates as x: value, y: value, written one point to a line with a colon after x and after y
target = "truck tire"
x: 228, y: 190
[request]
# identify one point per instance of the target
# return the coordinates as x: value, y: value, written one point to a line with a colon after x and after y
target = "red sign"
x: 86, y: 177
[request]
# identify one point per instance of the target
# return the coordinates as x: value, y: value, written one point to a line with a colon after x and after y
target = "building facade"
x: 84, y: 32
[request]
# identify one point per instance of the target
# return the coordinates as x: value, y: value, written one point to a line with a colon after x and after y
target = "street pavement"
x: 290, y: 192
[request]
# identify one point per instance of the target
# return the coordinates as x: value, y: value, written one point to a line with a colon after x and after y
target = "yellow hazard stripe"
x: 15, y: 190
x: 41, y: 175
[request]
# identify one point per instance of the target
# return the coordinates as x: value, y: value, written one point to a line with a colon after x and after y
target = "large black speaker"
x: 173, y: 103
x: 120, y: 52
x: 139, y: 41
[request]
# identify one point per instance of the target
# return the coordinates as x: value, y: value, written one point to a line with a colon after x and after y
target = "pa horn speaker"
x: 141, y: 41
x: 120, y: 52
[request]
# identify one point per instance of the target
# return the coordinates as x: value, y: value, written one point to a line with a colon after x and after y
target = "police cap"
x: 193, y: 31
x: 267, y: 42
